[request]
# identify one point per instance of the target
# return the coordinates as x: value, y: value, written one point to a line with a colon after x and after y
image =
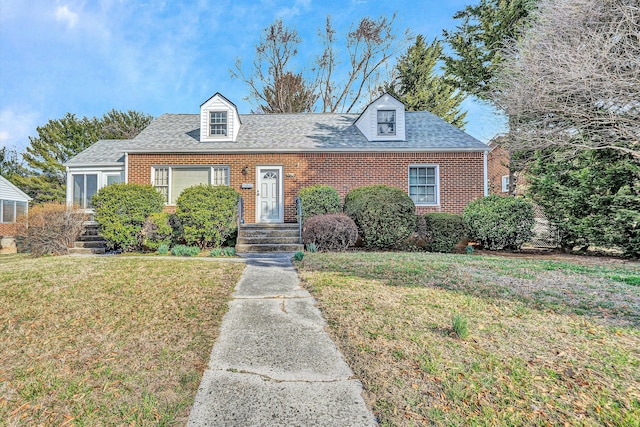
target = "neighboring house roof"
x: 277, y: 133
x: 105, y: 152
x: 8, y: 191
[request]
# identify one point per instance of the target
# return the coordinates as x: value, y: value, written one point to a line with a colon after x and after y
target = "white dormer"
x: 383, y: 120
x: 219, y: 120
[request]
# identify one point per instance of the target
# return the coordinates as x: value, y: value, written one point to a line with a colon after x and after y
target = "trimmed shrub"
x: 53, y: 227
x: 498, y: 222
x: 215, y: 252
x: 121, y: 210
x: 229, y: 251
x: 385, y: 216
x: 330, y: 232
x: 183, y: 250
x: 156, y: 231
x: 298, y: 256
x: 163, y: 249
x: 440, y: 231
x: 319, y: 200
x: 207, y: 214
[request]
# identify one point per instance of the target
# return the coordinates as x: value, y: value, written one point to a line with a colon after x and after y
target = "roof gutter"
x: 319, y: 151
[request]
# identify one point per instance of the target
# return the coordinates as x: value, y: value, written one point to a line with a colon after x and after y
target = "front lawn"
x: 107, y: 341
x: 550, y: 342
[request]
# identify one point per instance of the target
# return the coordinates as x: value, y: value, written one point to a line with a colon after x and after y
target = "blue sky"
x: 89, y: 56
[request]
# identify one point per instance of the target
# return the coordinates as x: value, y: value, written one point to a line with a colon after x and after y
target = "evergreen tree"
x: 419, y: 87
x: 61, y: 139
x: 477, y: 42
x: 10, y: 163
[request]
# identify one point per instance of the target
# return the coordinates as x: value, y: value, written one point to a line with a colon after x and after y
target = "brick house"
x: 269, y: 158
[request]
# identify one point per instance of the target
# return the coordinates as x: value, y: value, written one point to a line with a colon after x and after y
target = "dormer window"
x: 386, y: 122
x: 218, y: 123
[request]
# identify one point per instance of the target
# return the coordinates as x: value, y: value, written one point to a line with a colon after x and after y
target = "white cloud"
x: 299, y: 6
x: 16, y: 127
x: 63, y: 14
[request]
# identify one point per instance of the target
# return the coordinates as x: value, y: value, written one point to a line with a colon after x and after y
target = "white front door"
x: 269, y: 206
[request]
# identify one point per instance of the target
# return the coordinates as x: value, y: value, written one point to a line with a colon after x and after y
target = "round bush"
x: 330, y: 232
x: 121, y: 209
x: 156, y: 231
x: 385, y: 215
x: 207, y: 214
x: 319, y: 200
x: 498, y: 222
x: 441, y: 231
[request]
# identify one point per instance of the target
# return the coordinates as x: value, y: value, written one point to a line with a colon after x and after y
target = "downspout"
x: 486, y: 173
x: 69, y: 200
x: 126, y: 168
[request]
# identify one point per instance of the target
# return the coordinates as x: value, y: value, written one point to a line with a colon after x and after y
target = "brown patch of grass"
x: 107, y: 341
x: 527, y: 361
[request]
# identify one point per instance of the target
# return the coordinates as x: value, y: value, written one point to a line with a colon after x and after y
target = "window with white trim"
x: 217, y: 123
x: 84, y: 186
x: 424, y: 184
x: 505, y: 183
x: 386, y: 122
x: 170, y: 181
x: 12, y: 210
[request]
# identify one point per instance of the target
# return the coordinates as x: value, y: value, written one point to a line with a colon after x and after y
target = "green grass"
x: 106, y: 341
x: 529, y: 357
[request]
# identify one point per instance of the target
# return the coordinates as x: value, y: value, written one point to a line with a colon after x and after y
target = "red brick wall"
x: 7, y: 229
x: 497, y: 167
x: 461, y: 174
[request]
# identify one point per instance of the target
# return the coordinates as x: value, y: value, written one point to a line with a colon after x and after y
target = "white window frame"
x: 225, y: 124
x: 436, y: 185
x: 15, y: 210
x: 86, y: 200
x: 505, y: 183
x: 394, y: 123
x: 170, y: 169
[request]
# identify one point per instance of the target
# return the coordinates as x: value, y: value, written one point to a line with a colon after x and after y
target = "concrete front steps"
x: 256, y: 238
x: 89, y: 242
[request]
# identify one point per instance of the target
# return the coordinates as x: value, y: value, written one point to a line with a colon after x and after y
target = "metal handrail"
x: 240, y: 211
x: 299, y: 216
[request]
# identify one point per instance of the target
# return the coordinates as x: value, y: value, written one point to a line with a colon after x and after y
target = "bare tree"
x: 573, y: 80
x: 275, y: 88
x: 370, y: 45
x: 272, y: 86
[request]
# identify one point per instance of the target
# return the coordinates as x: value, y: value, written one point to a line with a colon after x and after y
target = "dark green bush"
x: 183, y: 250
x: 498, y: 222
x: 319, y: 200
x: 121, y: 210
x: 593, y: 198
x: 156, y: 231
x: 207, y: 214
x: 330, y: 232
x: 385, y: 215
x: 441, y: 231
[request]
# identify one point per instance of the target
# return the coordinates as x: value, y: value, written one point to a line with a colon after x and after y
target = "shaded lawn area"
x: 107, y: 341
x: 550, y: 343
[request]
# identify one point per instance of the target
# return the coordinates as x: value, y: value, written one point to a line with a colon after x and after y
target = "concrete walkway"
x: 273, y: 363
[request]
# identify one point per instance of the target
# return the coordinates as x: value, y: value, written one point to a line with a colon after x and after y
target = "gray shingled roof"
x: 283, y: 133
x: 105, y: 152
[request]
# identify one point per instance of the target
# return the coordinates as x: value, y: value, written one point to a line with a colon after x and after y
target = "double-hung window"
x: 12, y: 210
x: 218, y: 123
x: 424, y: 184
x: 170, y: 181
x: 386, y: 122
x: 505, y: 183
